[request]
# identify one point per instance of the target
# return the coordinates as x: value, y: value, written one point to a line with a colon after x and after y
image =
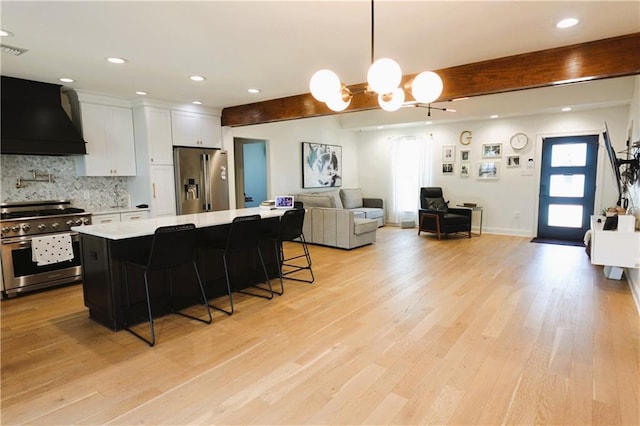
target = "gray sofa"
x: 341, y: 218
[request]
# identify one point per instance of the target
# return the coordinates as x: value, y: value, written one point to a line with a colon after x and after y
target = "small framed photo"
x: 448, y: 153
x: 465, y: 155
x: 447, y: 168
x: 464, y: 170
x: 513, y: 161
x: 492, y: 150
x: 488, y: 170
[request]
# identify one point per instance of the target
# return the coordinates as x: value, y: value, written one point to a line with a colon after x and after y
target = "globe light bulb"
x: 340, y: 101
x: 426, y: 87
x: 384, y: 75
x: 324, y: 84
x: 391, y: 101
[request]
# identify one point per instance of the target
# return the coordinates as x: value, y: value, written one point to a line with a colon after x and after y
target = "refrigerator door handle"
x: 205, y: 183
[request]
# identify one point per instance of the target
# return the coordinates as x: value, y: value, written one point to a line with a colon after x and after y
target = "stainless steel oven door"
x: 21, y: 273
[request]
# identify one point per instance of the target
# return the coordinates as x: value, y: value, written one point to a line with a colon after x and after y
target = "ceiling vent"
x: 17, y: 51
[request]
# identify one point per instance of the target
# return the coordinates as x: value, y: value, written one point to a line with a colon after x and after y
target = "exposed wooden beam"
x: 595, y: 60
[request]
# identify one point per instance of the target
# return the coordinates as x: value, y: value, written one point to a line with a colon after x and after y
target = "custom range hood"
x: 34, y: 122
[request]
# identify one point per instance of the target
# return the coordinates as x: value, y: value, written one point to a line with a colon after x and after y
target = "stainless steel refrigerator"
x: 201, y: 180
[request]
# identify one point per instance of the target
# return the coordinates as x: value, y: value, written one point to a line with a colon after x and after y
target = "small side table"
x: 474, y: 209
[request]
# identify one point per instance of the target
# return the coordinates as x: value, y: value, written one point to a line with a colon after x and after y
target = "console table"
x: 614, y: 249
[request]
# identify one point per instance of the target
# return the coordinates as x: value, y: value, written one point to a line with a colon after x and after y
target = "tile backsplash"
x: 89, y: 193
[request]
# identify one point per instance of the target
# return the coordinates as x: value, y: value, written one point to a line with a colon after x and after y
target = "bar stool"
x: 243, y: 239
x: 172, y: 246
x: 290, y: 230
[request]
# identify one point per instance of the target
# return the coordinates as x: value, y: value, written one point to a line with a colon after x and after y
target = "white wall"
x: 284, y: 151
x: 514, y: 191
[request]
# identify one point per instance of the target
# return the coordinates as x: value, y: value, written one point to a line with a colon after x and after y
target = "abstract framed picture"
x: 321, y: 165
x: 448, y: 153
x: 492, y: 150
x: 487, y: 170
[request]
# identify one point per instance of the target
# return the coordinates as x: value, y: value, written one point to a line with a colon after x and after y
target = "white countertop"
x: 143, y: 227
x: 113, y: 210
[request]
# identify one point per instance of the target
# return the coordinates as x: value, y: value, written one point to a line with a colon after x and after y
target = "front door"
x: 567, y: 186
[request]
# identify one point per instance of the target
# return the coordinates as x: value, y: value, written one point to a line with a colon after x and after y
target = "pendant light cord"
x: 372, y: 27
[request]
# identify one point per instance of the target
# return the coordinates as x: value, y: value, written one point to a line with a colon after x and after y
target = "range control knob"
x: 5, y: 229
x: 15, y: 228
x: 42, y: 227
x: 85, y: 220
x: 69, y: 222
x: 55, y: 225
x: 78, y: 222
x: 26, y: 227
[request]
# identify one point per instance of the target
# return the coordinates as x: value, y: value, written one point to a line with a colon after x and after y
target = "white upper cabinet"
x: 153, y: 135
x: 108, y: 131
x: 196, y: 129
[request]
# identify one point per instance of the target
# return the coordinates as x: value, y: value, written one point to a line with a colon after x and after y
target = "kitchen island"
x: 105, y: 246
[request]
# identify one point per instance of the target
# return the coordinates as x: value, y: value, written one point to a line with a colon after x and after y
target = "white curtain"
x: 411, y: 169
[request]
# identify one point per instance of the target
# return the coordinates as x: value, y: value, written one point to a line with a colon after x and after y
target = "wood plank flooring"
x: 411, y: 330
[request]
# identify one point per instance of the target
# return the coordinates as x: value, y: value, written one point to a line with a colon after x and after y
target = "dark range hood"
x: 34, y: 122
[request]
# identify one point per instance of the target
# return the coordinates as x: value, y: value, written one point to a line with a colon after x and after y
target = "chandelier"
x: 384, y: 77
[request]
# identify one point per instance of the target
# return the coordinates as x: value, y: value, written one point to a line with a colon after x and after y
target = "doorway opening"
x: 250, y: 171
x: 567, y: 187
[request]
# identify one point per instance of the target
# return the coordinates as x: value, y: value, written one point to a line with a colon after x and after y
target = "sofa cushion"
x: 313, y: 200
x: 362, y: 226
x: 351, y: 198
x: 369, y: 212
x: 337, y: 202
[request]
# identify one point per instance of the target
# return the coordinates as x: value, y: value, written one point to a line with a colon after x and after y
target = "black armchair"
x: 436, y: 216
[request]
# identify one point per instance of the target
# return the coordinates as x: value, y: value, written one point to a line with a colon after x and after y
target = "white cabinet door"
x: 196, y: 129
x: 159, y: 135
x: 125, y: 217
x: 108, y: 131
x: 163, y: 200
x: 122, y: 149
x: 94, y: 132
x: 211, y: 131
x: 97, y: 219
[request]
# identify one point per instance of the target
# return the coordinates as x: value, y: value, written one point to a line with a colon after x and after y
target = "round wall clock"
x: 519, y: 140
x: 465, y: 137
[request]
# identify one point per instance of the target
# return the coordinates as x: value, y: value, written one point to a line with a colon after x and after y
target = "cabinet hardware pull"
x: 153, y: 185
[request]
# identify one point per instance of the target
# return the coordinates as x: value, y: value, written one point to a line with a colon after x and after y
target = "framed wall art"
x: 321, y: 165
x: 464, y: 170
x: 448, y: 153
x: 465, y: 155
x: 488, y: 170
x: 492, y: 150
x: 513, y: 161
x: 447, y: 168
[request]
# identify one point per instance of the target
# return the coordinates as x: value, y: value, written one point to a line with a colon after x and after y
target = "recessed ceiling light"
x: 566, y: 23
x: 66, y: 80
x: 115, y: 60
x: 197, y: 78
x: 380, y: 127
x: 428, y: 122
x: 254, y: 91
x: 460, y: 99
x: 565, y: 109
x: 4, y: 33
x: 494, y: 116
x: 141, y: 93
x: 197, y: 102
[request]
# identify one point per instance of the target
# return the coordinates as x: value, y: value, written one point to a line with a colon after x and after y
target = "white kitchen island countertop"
x: 144, y: 227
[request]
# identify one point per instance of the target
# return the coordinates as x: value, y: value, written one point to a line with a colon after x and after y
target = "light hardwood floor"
x: 411, y: 330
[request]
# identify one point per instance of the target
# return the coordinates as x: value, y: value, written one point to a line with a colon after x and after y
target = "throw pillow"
x: 437, y: 204
x: 337, y: 203
x: 351, y: 198
x: 309, y: 200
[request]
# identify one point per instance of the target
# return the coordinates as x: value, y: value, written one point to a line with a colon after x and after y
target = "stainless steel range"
x: 27, y: 223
